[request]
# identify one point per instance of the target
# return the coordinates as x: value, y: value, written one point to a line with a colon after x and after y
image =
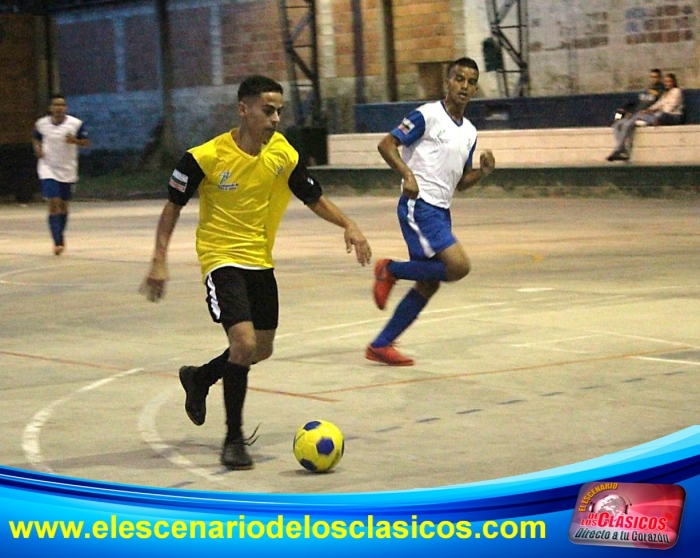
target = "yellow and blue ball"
x: 319, y: 445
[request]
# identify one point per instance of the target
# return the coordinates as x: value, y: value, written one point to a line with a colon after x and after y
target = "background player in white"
x: 56, y: 140
x: 436, y: 158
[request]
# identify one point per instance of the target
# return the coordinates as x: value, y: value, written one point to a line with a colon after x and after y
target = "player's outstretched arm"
x: 153, y: 286
x: 330, y: 212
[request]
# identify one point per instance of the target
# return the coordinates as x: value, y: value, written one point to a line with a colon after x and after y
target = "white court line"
x: 54, y: 284
x: 457, y: 316
x: 25, y: 270
x: 468, y: 307
x: 146, y: 426
x: 651, y: 339
x: 150, y: 435
x: 95, y: 285
x: 30, y: 436
x: 555, y: 350
x: 326, y: 328
x: 538, y: 343
x: 383, y: 319
x: 671, y: 360
x: 372, y: 332
x: 147, y: 419
x: 534, y: 289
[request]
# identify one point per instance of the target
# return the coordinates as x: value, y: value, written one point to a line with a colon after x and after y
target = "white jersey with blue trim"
x: 60, y: 160
x: 436, y: 149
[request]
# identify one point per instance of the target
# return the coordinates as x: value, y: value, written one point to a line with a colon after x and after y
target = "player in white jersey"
x: 437, y: 145
x: 56, y: 139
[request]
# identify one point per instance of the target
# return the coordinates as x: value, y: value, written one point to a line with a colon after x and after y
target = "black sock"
x: 212, y: 371
x: 235, y: 387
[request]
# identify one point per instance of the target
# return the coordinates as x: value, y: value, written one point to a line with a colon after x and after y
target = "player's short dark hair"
x: 656, y: 71
x: 58, y: 95
x: 463, y: 62
x: 255, y: 85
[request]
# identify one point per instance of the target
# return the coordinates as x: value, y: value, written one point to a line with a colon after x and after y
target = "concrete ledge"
x: 643, y: 181
x: 545, y: 148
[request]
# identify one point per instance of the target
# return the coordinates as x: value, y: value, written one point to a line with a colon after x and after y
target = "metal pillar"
x: 509, y: 30
x: 298, y: 23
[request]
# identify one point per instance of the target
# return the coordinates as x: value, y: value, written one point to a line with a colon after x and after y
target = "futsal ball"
x: 319, y: 446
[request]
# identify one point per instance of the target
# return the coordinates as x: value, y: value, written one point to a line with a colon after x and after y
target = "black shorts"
x: 236, y: 295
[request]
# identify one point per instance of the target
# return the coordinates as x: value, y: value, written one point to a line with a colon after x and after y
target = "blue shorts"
x: 51, y: 188
x: 426, y: 229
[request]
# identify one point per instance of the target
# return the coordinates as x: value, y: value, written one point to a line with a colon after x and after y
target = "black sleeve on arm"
x: 304, y: 186
x: 185, y: 180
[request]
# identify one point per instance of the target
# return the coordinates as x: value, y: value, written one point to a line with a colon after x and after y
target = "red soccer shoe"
x: 388, y: 355
x: 383, y: 283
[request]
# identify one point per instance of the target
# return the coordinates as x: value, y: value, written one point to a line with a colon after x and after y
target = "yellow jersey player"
x: 245, y: 179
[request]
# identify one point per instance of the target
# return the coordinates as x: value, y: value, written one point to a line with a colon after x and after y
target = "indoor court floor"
x: 576, y: 335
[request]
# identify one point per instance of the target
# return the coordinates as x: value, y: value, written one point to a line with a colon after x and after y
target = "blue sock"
x: 427, y: 270
x: 404, y: 315
x: 55, y: 227
x: 63, y: 221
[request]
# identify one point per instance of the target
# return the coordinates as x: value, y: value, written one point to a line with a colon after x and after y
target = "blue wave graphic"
x: 548, y: 496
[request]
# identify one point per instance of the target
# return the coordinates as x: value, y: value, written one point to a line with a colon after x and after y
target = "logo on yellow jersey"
x: 222, y: 182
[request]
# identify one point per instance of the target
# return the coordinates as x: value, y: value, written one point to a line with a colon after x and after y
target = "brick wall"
x: 607, y: 45
x: 251, y: 41
x: 107, y: 54
x: 424, y: 32
x: 344, y: 39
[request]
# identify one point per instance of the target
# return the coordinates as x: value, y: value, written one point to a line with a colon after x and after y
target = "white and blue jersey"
x: 436, y: 149
x: 60, y: 160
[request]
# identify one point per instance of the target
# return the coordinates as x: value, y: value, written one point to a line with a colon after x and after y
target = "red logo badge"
x: 633, y: 515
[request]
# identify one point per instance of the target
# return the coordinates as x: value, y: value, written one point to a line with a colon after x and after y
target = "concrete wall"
x: 654, y: 146
x: 610, y: 45
x: 108, y: 57
x: 110, y: 70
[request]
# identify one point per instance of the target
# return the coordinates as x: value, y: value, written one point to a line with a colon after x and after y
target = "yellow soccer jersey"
x: 241, y: 198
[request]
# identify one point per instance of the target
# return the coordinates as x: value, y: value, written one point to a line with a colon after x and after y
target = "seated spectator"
x: 644, y: 99
x: 666, y: 111
x: 623, y: 115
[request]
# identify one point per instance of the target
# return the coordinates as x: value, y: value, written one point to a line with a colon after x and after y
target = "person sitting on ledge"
x: 666, y: 111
